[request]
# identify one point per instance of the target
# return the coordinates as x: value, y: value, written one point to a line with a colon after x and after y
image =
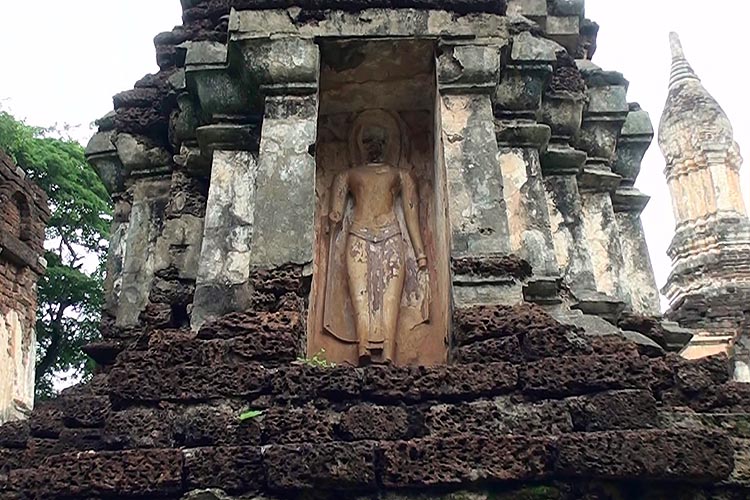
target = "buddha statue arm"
x: 410, y: 199
x: 339, y: 190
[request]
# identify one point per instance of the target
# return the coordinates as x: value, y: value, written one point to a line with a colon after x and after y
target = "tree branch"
x: 55, y: 346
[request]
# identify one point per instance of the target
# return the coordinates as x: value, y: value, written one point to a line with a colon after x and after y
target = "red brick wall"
x: 23, y: 216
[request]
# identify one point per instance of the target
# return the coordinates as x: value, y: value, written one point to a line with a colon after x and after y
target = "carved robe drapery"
x: 339, y: 312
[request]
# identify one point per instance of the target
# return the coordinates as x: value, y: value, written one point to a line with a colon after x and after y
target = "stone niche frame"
x: 399, y: 77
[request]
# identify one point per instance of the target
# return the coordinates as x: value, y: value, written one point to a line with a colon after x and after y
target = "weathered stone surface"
x: 261, y: 327
x: 458, y: 6
x: 583, y: 374
x: 466, y: 459
x: 308, y: 382
x: 400, y: 22
x: 601, y: 232
x: 147, y: 472
x: 492, y: 350
x: 150, y: 199
x: 224, y: 271
x: 464, y: 69
x: 478, y: 217
x: 702, y: 374
x: 188, y: 382
x: 14, y: 434
x: 283, y: 217
x: 138, y: 428
x: 529, y: 220
x: 640, y: 290
x: 495, y: 265
x: 213, y: 424
x: 617, y: 410
x: 439, y: 382
x: 85, y: 411
x: 483, y: 322
x: 528, y: 48
x: 179, y: 248
x: 371, y: 422
x: 138, y: 153
x: 647, y: 455
x: 498, y: 417
x: 237, y: 468
x: 340, y: 466
x: 298, y: 425
x: 566, y: 223
x: 46, y: 421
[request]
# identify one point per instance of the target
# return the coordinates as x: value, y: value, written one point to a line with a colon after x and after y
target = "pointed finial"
x: 681, y: 70
x: 676, y: 45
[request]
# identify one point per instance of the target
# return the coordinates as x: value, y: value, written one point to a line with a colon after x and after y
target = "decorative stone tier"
x: 222, y: 82
x: 710, y: 279
x: 529, y: 407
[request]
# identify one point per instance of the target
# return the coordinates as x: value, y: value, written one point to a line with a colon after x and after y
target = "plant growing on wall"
x: 70, y: 294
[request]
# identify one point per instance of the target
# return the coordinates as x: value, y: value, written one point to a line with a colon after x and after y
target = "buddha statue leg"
x: 394, y: 273
x: 357, y: 271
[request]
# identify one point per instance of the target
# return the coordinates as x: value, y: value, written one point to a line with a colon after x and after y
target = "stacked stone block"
x: 23, y: 217
x: 558, y: 413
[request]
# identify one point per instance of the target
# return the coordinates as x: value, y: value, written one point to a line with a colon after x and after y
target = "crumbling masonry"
x: 552, y: 375
x: 23, y: 217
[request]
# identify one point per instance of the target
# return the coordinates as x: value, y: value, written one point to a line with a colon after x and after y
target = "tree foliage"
x: 70, y: 294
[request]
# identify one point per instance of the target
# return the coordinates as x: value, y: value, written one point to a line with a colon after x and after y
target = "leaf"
x: 251, y: 414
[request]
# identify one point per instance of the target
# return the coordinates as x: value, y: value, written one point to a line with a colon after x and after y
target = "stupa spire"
x: 681, y: 69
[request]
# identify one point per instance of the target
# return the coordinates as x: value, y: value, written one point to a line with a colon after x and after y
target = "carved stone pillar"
x: 603, y: 118
x: 262, y: 191
x: 137, y: 174
x: 222, y: 283
x: 147, y: 167
x: 637, y: 275
x: 517, y: 102
x: 102, y: 154
x: 639, y: 288
x: 562, y: 110
x: 230, y: 144
x: 150, y: 197
x: 467, y: 75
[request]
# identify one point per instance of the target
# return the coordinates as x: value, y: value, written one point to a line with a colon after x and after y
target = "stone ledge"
x: 491, y: 267
x: 368, y: 22
x: 569, y: 376
x: 78, y: 475
x: 467, y: 459
x: 18, y: 252
x: 476, y: 323
x: 646, y: 455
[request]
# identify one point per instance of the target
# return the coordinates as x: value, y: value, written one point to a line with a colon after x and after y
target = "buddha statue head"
x: 375, y: 138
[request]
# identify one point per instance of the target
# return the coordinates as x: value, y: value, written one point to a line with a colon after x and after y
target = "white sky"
x: 62, y: 61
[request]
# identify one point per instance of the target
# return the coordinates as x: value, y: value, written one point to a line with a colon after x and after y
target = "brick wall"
x: 23, y: 215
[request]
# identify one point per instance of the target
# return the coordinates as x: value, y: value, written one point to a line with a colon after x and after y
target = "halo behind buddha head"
x: 369, y: 128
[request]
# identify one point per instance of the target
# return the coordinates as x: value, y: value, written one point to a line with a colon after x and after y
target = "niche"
x: 18, y: 217
x: 381, y: 276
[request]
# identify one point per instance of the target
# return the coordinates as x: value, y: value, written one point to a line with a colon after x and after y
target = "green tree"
x: 70, y: 294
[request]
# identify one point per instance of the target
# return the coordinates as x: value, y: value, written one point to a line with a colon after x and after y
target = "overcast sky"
x: 62, y: 62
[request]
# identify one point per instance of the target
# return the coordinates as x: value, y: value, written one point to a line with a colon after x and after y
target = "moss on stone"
x: 531, y: 493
